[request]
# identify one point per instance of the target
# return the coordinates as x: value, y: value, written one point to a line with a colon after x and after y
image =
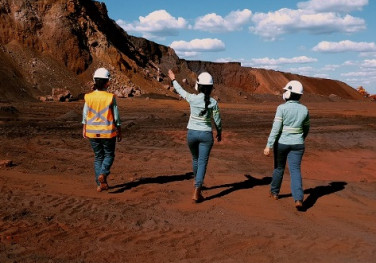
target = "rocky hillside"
x: 262, y: 81
x: 47, y: 44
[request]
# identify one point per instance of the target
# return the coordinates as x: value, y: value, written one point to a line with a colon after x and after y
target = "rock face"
x: 262, y: 81
x: 46, y: 44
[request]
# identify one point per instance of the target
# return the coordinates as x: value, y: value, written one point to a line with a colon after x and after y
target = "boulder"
x: 6, y: 163
x: 61, y: 94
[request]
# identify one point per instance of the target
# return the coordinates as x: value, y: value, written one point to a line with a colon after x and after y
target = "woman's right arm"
x: 177, y: 86
x: 276, y: 130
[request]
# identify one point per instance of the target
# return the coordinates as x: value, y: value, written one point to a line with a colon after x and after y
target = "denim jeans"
x: 104, y: 155
x: 200, y: 144
x: 293, y: 154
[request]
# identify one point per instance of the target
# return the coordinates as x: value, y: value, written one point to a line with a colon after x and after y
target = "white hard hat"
x: 101, y: 73
x: 204, y: 79
x: 294, y: 86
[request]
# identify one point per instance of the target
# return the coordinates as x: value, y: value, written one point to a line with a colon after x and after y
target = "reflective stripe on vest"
x: 203, y: 119
x: 100, y: 118
x: 288, y: 129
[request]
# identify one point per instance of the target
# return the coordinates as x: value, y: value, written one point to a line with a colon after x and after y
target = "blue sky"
x: 333, y: 39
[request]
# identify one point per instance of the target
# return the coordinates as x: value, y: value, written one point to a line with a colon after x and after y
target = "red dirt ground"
x: 51, y: 211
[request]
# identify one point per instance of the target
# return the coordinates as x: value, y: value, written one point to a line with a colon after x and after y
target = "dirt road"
x: 51, y: 211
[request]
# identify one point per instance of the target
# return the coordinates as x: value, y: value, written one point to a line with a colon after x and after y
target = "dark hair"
x: 206, y: 89
x: 100, y: 84
x: 294, y: 96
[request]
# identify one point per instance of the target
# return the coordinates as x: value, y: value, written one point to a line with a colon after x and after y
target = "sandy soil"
x: 50, y: 210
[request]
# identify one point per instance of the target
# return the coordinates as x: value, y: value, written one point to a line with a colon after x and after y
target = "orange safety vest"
x: 100, y: 117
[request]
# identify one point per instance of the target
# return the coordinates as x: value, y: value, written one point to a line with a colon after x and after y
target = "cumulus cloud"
x: 349, y: 63
x: 228, y: 60
x: 321, y: 75
x: 187, y: 54
x: 157, y: 24
x: 365, y: 77
x: 333, y: 5
x: 274, y: 24
x: 330, y: 67
x: 368, y: 54
x: 216, y: 23
x: 198, y: 45
x: 344, y: 46
x: 369, y: 63
x: 359, y: 74
x: 302, y: 70
x: 279, y: 61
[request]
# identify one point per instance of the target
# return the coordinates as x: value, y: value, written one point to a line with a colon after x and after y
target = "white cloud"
x: 321, y: 75
x: 305, y: 69
x: 349, y: 63
x: 366, y: 78
x: 184, y: 54
x: 333, y: 5
x: 345, y: 46
x: 198, y: 45
x: 330, y: 67
x: 157, y: 24
x: 369, y: 63
x: 359, y: 74
x: 216, y: 23
x: 368, y: 54
x: 279, y: 61
x: 302, y: 70
x: 274, y: 24
x: 226, y: 60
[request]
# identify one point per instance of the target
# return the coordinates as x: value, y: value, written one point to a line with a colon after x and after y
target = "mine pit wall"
x: 265, y: 81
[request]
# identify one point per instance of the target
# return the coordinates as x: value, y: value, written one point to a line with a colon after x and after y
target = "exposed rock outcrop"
x: 46, y: 44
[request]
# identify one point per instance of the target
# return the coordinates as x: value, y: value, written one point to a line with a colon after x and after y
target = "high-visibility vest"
x: 100, y: 117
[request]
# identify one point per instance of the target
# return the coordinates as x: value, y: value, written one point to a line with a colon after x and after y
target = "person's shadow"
x: 246, y: 184
x: 317, y: 192
x: 163, y: 179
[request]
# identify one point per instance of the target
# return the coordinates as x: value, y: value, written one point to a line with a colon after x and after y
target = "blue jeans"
x: 104, y: 155
x: 200, y: 144
x: 293, y: 154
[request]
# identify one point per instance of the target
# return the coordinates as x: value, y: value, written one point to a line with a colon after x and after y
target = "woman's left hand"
x: 267, y: 151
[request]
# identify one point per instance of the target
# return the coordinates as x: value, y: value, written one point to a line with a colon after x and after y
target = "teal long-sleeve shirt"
x: 197, y: 104
x: 291, y: 124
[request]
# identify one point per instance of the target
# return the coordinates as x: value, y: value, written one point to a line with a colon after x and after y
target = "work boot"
x: 298, y: 204
x: 273, y: 195
x: 103, y: 182
x: 197, y: 196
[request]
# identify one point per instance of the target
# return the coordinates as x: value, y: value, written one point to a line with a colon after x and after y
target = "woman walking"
x: 290, y: 128
x: 200, y: 136
x: 101, y: 124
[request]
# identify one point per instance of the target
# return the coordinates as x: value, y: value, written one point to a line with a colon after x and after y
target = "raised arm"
x: 177, y: 86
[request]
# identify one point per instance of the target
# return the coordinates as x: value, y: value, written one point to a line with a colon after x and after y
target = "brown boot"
x: 273, y: 195
x: 197, y: 196
x: 298, y: 204
x: 103, y: 182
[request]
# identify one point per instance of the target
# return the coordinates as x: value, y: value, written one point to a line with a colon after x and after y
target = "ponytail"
x: 206, y: 89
